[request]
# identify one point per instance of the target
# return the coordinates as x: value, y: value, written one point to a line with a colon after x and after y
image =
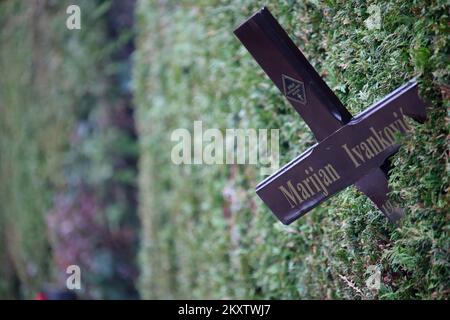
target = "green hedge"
x: 48, y: 74
x: 189, y: 66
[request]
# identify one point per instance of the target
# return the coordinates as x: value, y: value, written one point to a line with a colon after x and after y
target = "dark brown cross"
x: 350, y: 150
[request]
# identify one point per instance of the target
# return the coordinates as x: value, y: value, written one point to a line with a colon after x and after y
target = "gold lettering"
x: 390, y: 134
x: 369, y: 154
x: 374, y: 145
x: 323, y: 188
x: 327, y: 181
x: 349, y: 153
x: 301, y: 188
x: 332, y: 172
x: 306, y: 183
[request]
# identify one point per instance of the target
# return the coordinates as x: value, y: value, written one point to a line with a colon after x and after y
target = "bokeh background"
x: 85, y: 170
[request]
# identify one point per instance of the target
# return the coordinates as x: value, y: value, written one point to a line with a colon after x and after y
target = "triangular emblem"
x: 294, y: 89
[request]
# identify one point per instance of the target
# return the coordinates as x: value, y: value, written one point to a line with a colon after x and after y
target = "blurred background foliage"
x: 79, y: 185
x: 205, y: 233
x: 67, y: 149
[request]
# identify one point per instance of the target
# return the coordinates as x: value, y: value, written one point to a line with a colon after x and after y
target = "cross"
x: 350, y: 150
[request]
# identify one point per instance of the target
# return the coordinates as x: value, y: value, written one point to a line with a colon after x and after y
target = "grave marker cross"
x: 350, y: 150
